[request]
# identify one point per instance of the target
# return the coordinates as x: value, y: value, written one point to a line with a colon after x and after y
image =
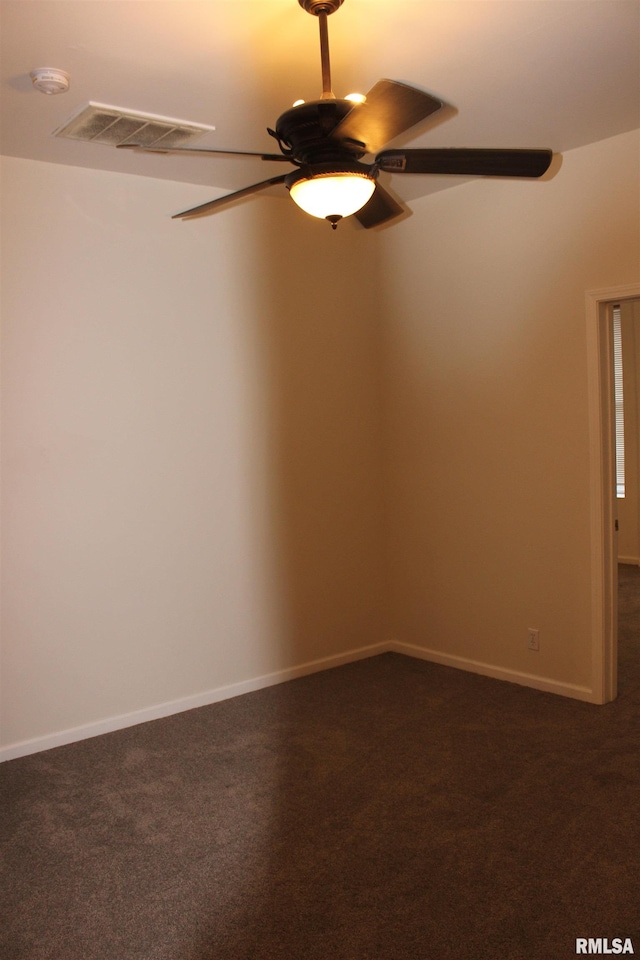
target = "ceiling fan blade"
x: 478, y: 163
x: 201, y: 150
x: 380, y: 208
x: 206, y: 208
x: 390, y: 109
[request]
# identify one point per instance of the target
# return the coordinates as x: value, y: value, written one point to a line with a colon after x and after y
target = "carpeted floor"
x: 387, y: 810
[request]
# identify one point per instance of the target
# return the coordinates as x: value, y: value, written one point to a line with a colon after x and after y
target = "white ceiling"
x: 514, y: 73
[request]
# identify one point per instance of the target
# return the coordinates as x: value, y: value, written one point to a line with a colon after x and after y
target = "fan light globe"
x: 333, y: 195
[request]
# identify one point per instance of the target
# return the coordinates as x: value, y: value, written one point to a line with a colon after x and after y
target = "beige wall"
x: 629, y: 507
x: 487, y: 411
x: 191, y: 485
x: 239, y: 445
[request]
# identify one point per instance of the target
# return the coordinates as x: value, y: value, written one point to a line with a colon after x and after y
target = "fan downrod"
x: 316, y: 7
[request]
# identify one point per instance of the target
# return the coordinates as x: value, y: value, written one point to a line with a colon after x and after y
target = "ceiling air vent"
x: 99, y: 123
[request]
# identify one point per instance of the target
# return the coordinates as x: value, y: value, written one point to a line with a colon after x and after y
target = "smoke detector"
x: 50, y: 80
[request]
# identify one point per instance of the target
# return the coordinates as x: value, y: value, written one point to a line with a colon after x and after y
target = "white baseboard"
x: 572, y: 690
x: 110, y: 724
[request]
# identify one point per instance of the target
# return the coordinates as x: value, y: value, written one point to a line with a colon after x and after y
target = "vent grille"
x: 99, y: 123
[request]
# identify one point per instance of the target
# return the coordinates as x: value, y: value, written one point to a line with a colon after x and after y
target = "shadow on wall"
x: 323, y: 340
x: 318, y: 337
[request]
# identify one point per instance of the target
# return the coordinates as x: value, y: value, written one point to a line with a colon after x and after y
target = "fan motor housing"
x: 306, y: 129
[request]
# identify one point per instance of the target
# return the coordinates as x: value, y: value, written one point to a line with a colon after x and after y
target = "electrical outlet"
x: 533, y: 639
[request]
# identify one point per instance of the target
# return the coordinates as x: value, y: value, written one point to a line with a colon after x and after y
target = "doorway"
x: 626, y: 320
x: 604, y: 539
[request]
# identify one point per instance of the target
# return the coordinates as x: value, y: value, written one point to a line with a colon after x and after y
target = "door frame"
x: 604, y: 559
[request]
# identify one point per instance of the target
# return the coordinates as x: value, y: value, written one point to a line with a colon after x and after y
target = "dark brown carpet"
x: 387, y: 810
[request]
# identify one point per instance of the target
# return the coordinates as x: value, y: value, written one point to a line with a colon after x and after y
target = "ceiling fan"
x: 325, y: 140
